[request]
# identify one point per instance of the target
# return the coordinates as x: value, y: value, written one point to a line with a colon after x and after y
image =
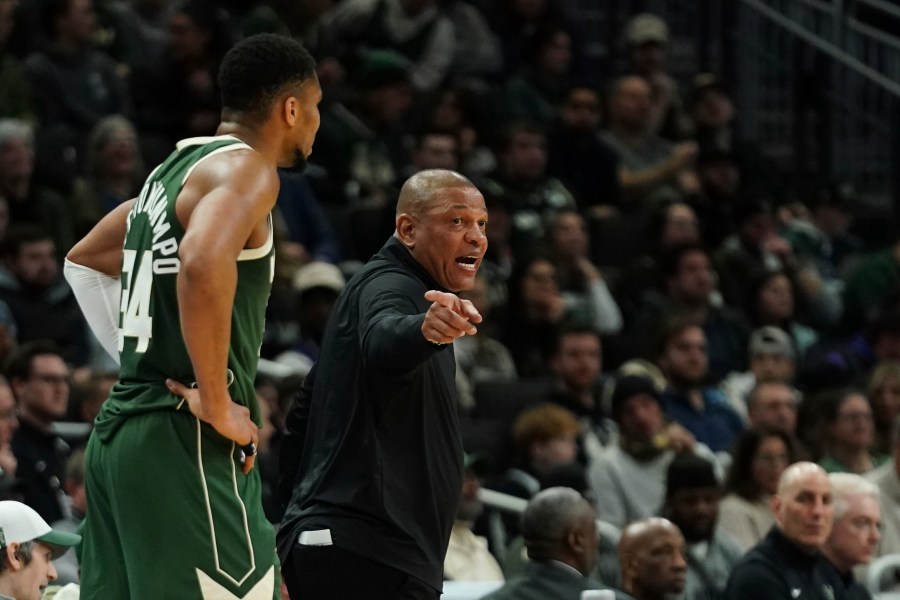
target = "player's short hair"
x: 259, y: 68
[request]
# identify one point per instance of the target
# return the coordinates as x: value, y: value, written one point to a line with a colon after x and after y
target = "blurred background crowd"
x: 693, y: 244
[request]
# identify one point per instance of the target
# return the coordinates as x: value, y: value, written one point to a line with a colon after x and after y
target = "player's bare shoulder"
x: 243, y: 174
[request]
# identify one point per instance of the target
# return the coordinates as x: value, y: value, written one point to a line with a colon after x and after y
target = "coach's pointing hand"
x: 448, y: 317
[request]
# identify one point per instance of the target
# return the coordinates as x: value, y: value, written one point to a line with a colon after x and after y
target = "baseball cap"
x: 646, y: 27
x: 771, y: 340
x: 704, y: 82
x: 689, y: 471
x: 19, y: 523
x: 319, y: 274
x: 627, y: 387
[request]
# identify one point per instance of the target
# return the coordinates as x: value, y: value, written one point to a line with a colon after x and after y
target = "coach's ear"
x: 406, y: 230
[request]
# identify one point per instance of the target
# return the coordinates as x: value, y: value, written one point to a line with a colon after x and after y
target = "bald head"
x: 803, y: 506
x: 652, y: 557
x: 419, y: 191
x: 797, y: 474
x: 559, y: 524
x: 639, y: 532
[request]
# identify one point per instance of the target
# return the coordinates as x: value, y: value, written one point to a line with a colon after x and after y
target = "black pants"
x: 330, y: 573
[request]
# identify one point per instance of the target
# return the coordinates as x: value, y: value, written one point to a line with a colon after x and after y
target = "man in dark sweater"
x: 787, y: 563
x: 854, y: 537
x: 372, y: 450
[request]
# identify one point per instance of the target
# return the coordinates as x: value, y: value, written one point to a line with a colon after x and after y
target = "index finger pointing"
x: 443, y: 298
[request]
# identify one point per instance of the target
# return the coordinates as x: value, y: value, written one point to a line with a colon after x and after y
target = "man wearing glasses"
x: 39, y: 379
x: 855, y: 534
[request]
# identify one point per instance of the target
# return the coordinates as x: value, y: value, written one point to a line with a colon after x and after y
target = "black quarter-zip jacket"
x: 372, y: 448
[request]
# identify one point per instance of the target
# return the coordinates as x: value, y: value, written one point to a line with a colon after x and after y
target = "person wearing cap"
x: 653, y: 555
x: 647, y: 38
x: 693, y: 493
x: 28, y: 546
x: 771, y: 357
x: 788, y: 563
x: 560, y: 531
x: 628, y: 477
x: 468, y: 558
x: 317, y: 286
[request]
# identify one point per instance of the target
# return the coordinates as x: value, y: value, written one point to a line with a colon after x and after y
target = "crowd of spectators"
x: 655, y: 286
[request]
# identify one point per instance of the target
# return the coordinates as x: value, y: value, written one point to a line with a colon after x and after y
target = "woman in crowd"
x: 759, y: 459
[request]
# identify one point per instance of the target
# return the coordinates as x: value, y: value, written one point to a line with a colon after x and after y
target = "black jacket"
x: 373, y: 446
x: 777, y: 569
x: 845, y: 585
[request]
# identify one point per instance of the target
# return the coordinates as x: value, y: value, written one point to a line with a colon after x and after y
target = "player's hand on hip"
x: 448, y: 317
x: 232, y: 420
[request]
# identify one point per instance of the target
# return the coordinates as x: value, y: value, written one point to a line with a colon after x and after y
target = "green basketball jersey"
x: 151, y: 346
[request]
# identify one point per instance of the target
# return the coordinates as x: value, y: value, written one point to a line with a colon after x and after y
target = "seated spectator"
x: 530, y: 196
x: 788, y: 563
x: 420, y: 31
x: 114, y: 172
x: 535, y: 91
x: 855, y: 534
x: 482, y: 357
x: 692, y: 503
x: 15, y: 94
x: 647, y: 40
x: 711, y: 106
x: 459, y: 112
x: 535, y: 311
x: 76, y: 495
x: 587, y: 297
x: 306, y: 230
x: 515, y: 21
x: 361, y: 147
x: 651, y: 170
x: 28, y: 202
x: 74, y: 84
x: 477, y: 58
x: 433, y: 149
x: 39, y: 379
x: 316, y: 288
x: 41, y: 302
x: 720, y: 181
x: 560, y: 531
x: 28, y: 548
x: 682, y: 356
x: 848, y: 433
x: 688, y: 290
x: 628, y: 478
x: 884, y: 390
x: 177, y: 96
x: 9, y: 422
x: 887, y: 478
x: 467, y: 557
x: 772, y: 406
x: 545, y: 437
x: 772, y: 302
x: 875, y: 276
x: 672, y: 225
x: 653, y: 556
x: 772, y: 358
x: 758, y: 461
x: 579, y: 158
x: 577, y: 362
x: 825, y: 239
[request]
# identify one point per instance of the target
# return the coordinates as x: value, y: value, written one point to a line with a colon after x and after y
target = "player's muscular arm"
x: 101, y: 248
x: 236, y: 193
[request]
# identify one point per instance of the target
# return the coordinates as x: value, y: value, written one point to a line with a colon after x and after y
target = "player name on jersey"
x: 152, y: 202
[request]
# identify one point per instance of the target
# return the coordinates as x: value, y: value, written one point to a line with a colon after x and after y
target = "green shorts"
x: 171, y: 515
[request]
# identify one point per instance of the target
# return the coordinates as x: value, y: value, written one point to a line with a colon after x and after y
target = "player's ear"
x: 290, y: 110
